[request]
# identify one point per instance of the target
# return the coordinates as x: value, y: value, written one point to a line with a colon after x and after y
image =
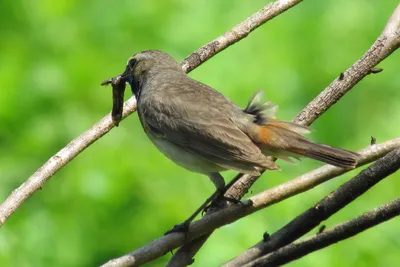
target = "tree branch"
x: 58, y: 161
x: 237, y: 33
x: 338, y: 233
x: 162, y: 245
x: 387, y: 43
x: 335, y: 201
x: 76, y: 146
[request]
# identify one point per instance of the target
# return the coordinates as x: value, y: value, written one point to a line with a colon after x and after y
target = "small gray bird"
x: 201, y: 130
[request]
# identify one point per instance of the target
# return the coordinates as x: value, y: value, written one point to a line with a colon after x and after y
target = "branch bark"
x: 162, y: 245
x: 237, y: 33
x: 76, y: 146
x: 58, y: 161
x: 335, y: 201
x: 387, y: 43
x: 340, y: 232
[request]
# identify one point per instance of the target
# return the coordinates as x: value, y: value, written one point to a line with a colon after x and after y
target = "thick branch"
x: 76, y: 146
x: 335, y: 201
x: 338, y: 233
x: 159, y: 247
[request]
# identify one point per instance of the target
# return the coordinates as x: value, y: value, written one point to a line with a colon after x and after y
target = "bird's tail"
x: 285, y: 140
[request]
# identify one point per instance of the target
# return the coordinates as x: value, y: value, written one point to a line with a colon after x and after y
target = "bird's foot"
x: 222, y: 202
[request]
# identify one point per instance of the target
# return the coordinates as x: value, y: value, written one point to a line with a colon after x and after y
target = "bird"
x: 200, y: 129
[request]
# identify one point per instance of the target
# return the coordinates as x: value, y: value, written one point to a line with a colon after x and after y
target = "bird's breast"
x: 182, y: 157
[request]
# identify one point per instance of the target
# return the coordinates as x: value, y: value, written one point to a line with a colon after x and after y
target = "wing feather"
x: 187, y: 119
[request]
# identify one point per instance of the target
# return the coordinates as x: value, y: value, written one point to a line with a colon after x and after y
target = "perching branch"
x: 328, y: 206
x: 387, y: 43
x: 338, y: 233
x: 76, y: 146
x: 162, y: 245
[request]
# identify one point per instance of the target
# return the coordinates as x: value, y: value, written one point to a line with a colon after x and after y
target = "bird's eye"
x: 132, y: 63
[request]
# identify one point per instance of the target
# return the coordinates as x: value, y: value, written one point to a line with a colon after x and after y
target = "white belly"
x: 184, y: 158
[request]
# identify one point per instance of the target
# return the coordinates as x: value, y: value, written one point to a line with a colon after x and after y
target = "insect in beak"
x: 118, y: 84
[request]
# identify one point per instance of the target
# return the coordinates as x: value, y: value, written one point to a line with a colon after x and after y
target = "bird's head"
x: 138, y: 69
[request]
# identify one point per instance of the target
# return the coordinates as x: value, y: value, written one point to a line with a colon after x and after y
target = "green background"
x: 121, y: 193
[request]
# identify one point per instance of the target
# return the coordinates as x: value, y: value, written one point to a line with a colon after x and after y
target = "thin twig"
x: 162, y: 245
x: 237, y: 33
x: 328, y: 206
x: 58, y: 161
x: 76, y: 146
x: 338, y: 233
x: 387, y: 43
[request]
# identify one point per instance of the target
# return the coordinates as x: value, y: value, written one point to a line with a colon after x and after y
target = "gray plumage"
x: 193, y: 124
x: 201, y: 130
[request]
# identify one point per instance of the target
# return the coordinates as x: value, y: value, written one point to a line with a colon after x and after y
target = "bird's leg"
x: 222, y: 195
x: 184, y: 227
x: 219, y: 183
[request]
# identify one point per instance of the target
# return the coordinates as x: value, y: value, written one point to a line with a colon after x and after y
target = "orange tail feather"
x: 284, y: 139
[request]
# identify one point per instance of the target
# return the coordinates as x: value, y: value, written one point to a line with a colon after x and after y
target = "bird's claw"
x: 218, y: 203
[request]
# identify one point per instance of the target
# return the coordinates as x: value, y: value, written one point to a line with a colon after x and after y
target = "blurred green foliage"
x: 121, y: 192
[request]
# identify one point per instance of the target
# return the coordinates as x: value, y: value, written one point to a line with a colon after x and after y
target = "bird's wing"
x: 199, y: 122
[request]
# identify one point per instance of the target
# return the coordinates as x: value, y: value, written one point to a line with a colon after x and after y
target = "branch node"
x: 375, y: 70
x: 266, y: 236
x: 373, y: 140
x: 321, y: 229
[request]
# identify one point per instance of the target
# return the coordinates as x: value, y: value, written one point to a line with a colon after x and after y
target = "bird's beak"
x: 119, y: 78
